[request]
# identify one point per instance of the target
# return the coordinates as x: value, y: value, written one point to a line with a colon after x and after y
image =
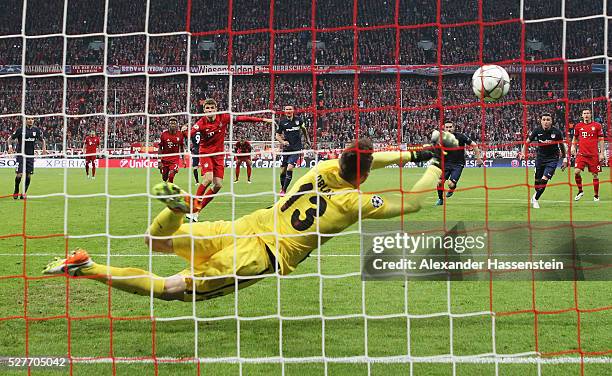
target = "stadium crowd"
x: 336, y: 108
x: 375, y: 37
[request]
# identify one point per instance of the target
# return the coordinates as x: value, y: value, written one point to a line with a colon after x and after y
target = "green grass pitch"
x: 330, y: 308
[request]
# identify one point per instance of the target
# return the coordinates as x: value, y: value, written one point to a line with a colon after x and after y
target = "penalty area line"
x: 505, y: 359
x: 141, y: 255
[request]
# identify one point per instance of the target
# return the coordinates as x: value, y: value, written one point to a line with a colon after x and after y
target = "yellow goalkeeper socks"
x: 141, y: 285
x: 166, y: 223
x: 426, y: 183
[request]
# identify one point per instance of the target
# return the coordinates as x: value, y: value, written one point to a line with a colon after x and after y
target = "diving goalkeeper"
x: 325, y: 201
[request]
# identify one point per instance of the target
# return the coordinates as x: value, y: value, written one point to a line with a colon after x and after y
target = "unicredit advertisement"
x: 258, y: 162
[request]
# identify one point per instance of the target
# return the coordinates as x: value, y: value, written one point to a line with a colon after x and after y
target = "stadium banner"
x: 406, y: 69
x: 472, y: 251
x: 153, y: 69
x: 79, y: 162
x: 43, y: 69
x: 264, y: 69
x: 83, y: 69
x: 224, y: 69
x: 572, y: 68
x: 139, y: 148
x: 46, y: 163
x: 259, y: 161
x: 124, y: 69
x: 10, y: 69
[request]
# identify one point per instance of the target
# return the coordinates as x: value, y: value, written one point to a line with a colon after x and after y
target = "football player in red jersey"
x: 243, y: 149
x: 90, y: 149
x: 212, y: 129
x: 170, y: 146
x: 588, y: 134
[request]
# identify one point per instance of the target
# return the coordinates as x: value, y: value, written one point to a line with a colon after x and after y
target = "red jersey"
x: 588, y: 135
x: 91, y: 144
x: 242, y: 147
x: 171, y: 144
x: 213, y: 132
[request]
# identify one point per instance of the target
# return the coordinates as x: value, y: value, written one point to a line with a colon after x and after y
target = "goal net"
x: 391, y: 71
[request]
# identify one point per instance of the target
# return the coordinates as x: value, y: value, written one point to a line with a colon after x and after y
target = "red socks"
x: 579, y: 182
x: 595, y: 184
x: 208, y: 199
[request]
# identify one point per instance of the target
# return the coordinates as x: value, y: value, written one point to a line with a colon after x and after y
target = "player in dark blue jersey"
x: 25, y: 137
x: 289, y: 134
x: 454, y: 162
x: 551, y: 145
x: 194, y: 148
x: 195, y: 160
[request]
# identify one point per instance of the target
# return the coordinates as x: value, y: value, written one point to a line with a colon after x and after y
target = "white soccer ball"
x: 490, y: 82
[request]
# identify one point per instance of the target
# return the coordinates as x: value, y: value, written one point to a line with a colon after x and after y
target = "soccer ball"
x: 490, y: 82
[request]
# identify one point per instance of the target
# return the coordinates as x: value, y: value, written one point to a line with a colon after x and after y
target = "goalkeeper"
x: 323, y: 202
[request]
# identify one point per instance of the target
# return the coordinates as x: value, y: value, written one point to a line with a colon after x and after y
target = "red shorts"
x: 214, y: 164
x: 591, y: 162
x: 90, y: 159
x: 245, y: 159
x: 167, y: 166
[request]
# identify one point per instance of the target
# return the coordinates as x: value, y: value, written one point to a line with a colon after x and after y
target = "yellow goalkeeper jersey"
x: 320, y: 205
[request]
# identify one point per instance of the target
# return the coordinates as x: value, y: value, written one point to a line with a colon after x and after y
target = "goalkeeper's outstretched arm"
x: 388, y: 158
x: 358, y: 159
x: 390, y: 205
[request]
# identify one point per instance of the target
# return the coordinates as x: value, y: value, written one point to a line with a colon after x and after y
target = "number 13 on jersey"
x: 297, y: 217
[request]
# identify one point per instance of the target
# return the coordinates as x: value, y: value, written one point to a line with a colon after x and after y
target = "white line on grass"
x: 128, y: 255
x: 485, y: 359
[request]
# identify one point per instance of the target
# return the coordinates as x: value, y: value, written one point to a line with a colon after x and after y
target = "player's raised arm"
x: 252, y: 119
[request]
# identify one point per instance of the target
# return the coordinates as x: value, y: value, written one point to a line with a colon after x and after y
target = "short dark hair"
x: 358, y: 150
x: 172, y: 119
x: 209, y: 101
x: 586, y: 109
x: 546, y: 114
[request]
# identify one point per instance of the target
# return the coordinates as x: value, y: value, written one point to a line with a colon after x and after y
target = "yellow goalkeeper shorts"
x: 218, y: 257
